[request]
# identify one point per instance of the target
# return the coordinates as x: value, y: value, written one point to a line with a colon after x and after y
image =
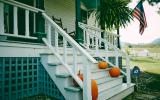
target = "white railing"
x: 96, y: 39
x: 17, y: 5
x: 87, y: 59
x: 89, y: 40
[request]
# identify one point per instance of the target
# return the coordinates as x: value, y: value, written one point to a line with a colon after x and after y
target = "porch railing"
x: 16, y: 5
x: 89, y: 40
x: 87, y: 59
x: 97, y: 42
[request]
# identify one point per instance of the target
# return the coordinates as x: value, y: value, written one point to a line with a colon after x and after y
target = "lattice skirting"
x: 25, y: 76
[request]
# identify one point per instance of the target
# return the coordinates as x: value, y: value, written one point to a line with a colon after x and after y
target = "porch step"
x: 106, y: 79
x: 63, y: 75
x: 72, y: 89
x: 116, y: 93
x: 108, y: 84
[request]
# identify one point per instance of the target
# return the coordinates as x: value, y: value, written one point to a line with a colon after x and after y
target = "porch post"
x: 78, y: 19
x: 1, y: 18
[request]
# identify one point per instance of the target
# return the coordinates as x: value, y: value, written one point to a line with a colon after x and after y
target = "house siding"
x: 64, y: 9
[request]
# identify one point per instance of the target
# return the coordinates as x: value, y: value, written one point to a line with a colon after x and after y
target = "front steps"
x: 108, y: 88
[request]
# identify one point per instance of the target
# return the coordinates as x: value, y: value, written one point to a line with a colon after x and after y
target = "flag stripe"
x: 139, y: 14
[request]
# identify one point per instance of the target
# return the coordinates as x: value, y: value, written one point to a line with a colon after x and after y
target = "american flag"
x: 138, y: 13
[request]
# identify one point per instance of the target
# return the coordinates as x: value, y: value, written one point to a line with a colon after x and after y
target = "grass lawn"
x: 146, y: 64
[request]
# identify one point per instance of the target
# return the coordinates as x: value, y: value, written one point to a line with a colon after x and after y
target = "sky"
x: 131, y: 34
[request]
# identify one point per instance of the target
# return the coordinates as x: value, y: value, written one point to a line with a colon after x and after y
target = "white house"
x: 38, y: 55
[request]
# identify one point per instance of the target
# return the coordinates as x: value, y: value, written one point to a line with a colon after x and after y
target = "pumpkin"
x: 102, y: 65
x: 80, y: 76
x: 94, y: 89
x: 114, y: 72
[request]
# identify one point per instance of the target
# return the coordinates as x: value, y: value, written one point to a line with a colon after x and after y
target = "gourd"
x: 102, y: 65
x: 114, y: 72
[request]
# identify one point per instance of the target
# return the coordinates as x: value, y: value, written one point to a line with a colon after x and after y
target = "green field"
x: 146, y: 64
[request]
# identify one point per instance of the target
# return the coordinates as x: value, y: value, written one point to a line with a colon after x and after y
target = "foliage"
x: 113, y: 13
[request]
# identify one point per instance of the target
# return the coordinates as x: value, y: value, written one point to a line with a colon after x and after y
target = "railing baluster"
x: 64, y: 50
x: 74, y: 60
x: 27, y: 23
x: 1, y: 18
x: 106, y: 49
x: 117, y: 55
x: 88, y: 40
x: 49, y: 33
x: 56, y: 38
x: 15, y: 20
x: 84, y: 36
x: 97, y: 47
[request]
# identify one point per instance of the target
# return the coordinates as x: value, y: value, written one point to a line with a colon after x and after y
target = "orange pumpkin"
x: 102, y: 65
x: 80, y: 76
x: 114, y: 72
x: 94, y: 89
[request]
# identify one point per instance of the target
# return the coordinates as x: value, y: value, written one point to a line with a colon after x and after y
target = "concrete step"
x: 117, y: 92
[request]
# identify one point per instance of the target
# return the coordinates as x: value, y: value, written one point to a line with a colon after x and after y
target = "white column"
x: 128, y: 70
x: 15, y: 20
x: 27, y: 23
x: 49, y: 32
x: 1, y: 18
x: 87, y: 80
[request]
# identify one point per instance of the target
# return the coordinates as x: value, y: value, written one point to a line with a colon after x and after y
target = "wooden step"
x: 117, y: 92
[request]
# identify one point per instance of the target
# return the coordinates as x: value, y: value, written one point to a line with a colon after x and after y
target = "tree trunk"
x: 118, y: 40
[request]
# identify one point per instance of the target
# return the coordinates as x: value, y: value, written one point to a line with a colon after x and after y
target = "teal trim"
x: 78, y: 19
x: 91, y: 4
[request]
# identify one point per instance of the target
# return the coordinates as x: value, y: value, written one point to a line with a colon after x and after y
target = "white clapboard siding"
x: 64, y: 9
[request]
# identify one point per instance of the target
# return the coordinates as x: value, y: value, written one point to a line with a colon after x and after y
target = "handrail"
x: 112, y: 46
x: 64, y: 64
x: 21, y: 5
x: 96, y: 29
x: 69, y: 39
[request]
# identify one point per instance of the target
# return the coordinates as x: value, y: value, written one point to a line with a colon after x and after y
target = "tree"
x: 112, y: 14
